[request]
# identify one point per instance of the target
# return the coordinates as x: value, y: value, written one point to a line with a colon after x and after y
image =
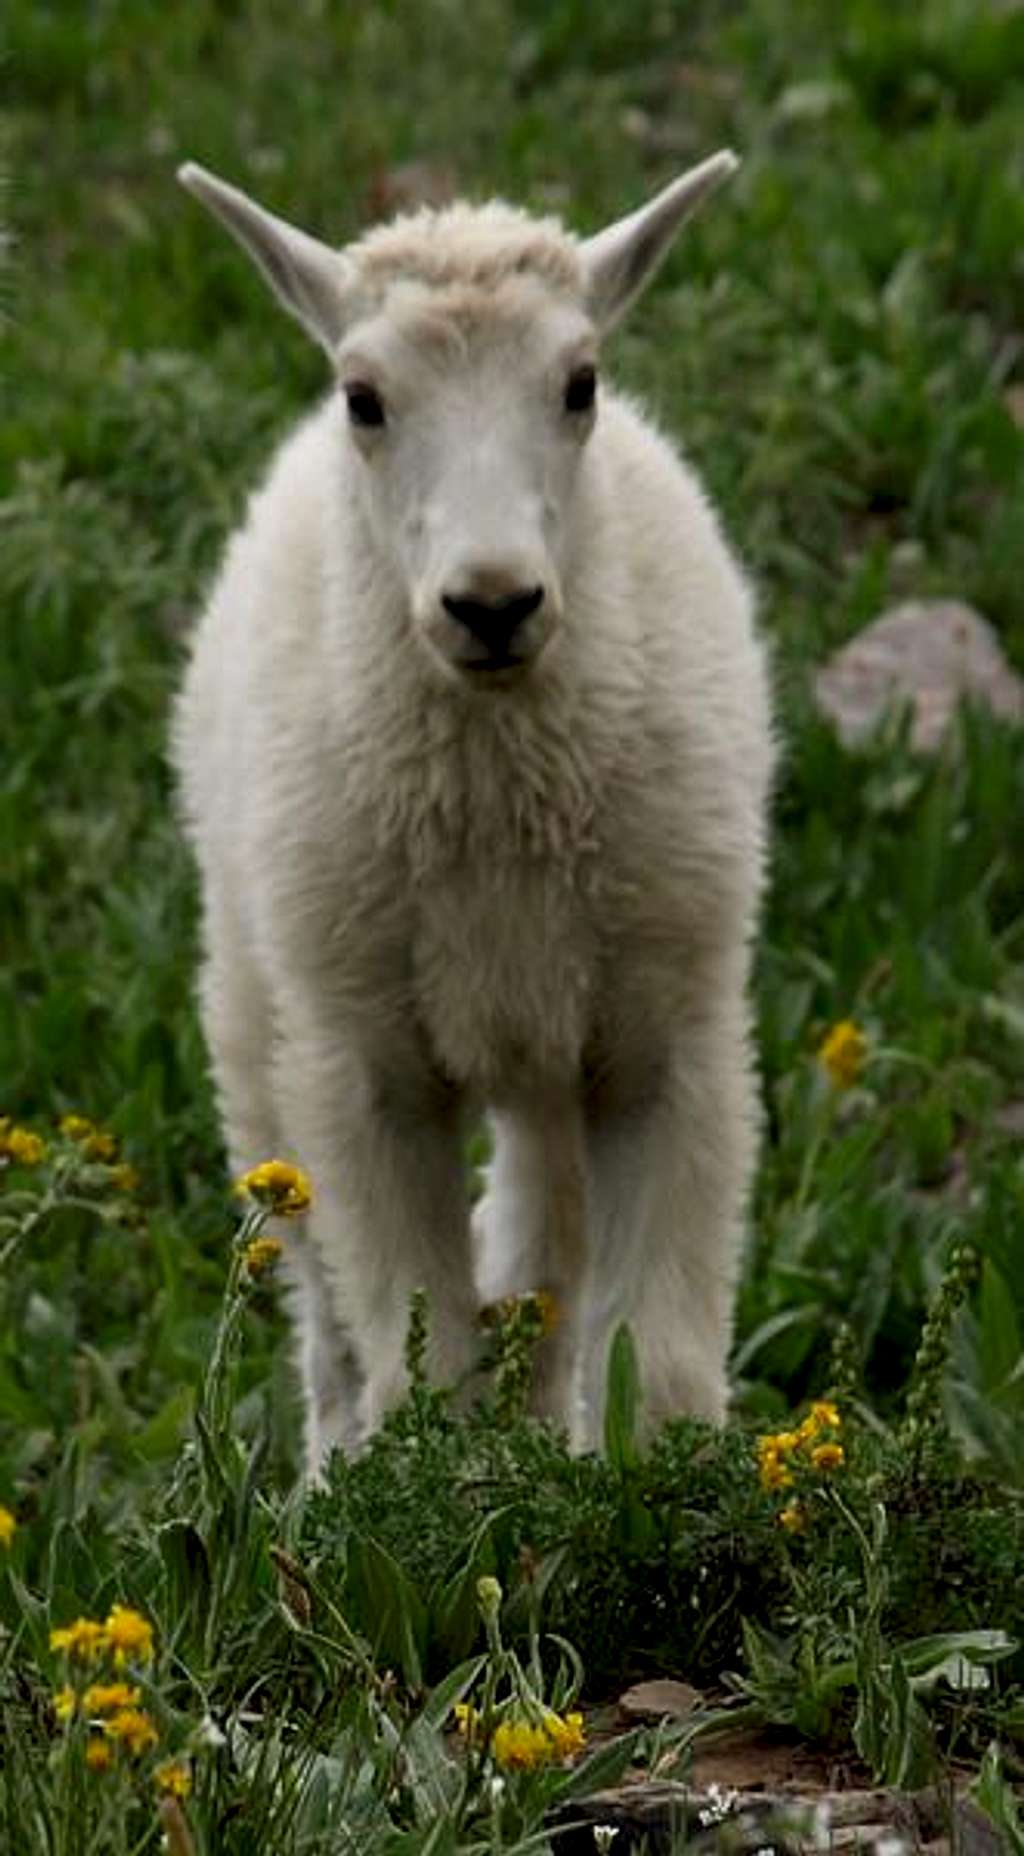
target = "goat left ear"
x: 621, y: 260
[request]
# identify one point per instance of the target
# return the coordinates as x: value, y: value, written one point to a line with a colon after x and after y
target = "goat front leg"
x: 381, y: 1139
x: 668, y: 1174
x: 530, y: 1231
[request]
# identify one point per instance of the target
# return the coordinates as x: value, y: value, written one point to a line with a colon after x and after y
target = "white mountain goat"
x: 474, y: 748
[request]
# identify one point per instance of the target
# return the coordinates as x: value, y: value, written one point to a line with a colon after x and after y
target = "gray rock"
x: 660, y: 1818
x: 931, y: 654
x: 658, y: 1700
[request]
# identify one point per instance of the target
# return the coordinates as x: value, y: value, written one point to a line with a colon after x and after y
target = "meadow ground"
x: 837, y: 342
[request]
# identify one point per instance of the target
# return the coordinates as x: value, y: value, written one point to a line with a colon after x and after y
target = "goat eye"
x: 365, y: 406
x: 581, y: 388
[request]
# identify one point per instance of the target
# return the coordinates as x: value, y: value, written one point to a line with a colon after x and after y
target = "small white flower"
x: 208, y: 1734
x: 719, y: 1804
x: 604, y: 1837
x: 497, y: 1790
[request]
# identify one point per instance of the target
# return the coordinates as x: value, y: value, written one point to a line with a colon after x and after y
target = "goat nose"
x: 494, y: 622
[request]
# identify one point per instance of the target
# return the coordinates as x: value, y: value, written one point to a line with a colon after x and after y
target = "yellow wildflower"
x: 96, y: 1143
x: 467, y: 1720
x: 773, y: 1472
x: 828, y: 1456
x: 261, y: 1253
x: 20, y: 1146
x: 842, y: 1053
x: 129, y: 1635
x: 567, y: 1733
x: 283, y: 1188
x: 76, y: 1127
x: 84, y: 1640
x: 793, y: 1518
x: 132, y: 1728
x: 8, y: 1526
x: 785, y: 1442
x: 173, y: 1778
x: 124, y: 1177
x: 823, y: 1416
x: 99, y: 1755
x: 64, y: 1703
x: 520, y: 1745
x: 107, y: 1697
x: 771, y: 1451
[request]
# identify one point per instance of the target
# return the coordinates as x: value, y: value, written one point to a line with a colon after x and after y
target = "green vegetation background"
x: 836, y: 342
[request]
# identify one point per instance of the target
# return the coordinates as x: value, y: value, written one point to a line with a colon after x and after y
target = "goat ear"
x: 306, y: 276
x: 621, y: 260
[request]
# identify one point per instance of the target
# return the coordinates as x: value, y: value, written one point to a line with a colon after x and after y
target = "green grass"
x: 833, y: 341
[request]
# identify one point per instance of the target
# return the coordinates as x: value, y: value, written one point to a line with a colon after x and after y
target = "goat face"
x: 470, y: 411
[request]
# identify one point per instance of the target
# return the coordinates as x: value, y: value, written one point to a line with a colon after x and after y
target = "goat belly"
x: 503, y: 966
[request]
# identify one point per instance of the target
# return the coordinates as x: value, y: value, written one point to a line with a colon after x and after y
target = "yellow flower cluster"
x: 520, y: 1744
x: 23, y: 1148
x: 99, y: 1698
x: 112, y: 1709
x: 124, y: 1636
x: 172, y: 1778
x: 18, y: 1145
x: 283, y: 1188
x: 781, y: 1455
x: 96, y: 1143
x: 261, y: 1253
x: 8, y: 1526
x: 131, y: 1728
x: 843, y: 1053
x: 84, y: 1641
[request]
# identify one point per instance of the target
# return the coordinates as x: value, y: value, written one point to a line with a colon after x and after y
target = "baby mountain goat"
x: 474, y: 748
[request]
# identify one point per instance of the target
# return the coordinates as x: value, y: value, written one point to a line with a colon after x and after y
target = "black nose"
x: 494, y: 622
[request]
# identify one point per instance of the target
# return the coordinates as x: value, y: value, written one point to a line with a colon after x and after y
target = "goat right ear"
x: 305, y: 275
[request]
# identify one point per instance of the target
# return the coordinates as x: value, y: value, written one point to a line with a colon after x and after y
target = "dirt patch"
x: 754, y: 1792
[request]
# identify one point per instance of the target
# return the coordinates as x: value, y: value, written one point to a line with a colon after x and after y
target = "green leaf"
x: 954, y: 1655
x: 442, y: 1699
x: 604, y: 1767
x: 454, y: 1613
x: 529, y: 1596
x: 187, y: 1570
x: 622, y: 1400
x: 164, y: 1433
x: 992, y: 1439
x: 995, y: 1795
x: 808, y: 1317
x: 389, y: 1609
x: 910, y: 1751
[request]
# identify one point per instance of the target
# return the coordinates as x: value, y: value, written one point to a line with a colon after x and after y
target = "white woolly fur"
x: 437, y: 884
